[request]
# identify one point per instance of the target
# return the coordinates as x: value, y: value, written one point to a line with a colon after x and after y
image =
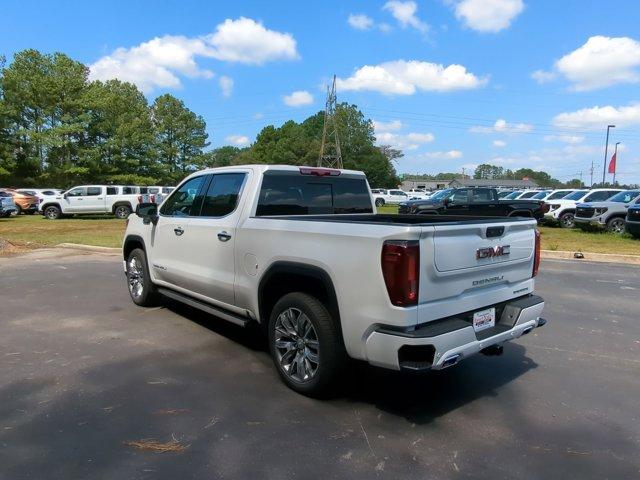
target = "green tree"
x: 487, y: 171
x: 223, y: 156
x: 180, y: 137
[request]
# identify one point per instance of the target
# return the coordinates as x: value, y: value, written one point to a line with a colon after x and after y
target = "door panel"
x: 214, y: 233
x: 170, y: 259
x: 92, y: 203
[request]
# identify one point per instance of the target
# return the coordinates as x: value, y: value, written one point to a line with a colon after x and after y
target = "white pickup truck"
x: 92, y: 199
x: 301, y: 252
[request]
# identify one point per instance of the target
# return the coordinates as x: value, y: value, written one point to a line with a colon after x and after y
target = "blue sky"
x: 454, y: 83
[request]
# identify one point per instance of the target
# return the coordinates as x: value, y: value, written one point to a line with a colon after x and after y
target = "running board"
x: 205, y: 307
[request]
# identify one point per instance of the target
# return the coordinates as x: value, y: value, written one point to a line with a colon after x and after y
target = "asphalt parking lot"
x: 83, y: 371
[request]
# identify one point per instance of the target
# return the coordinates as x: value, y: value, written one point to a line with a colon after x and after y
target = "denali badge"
x: 489, y: 252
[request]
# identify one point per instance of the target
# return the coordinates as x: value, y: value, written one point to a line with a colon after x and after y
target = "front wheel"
x: 52, y: 213
x: 566, y: 220
x: 142, y: 291
x: 379, y: 202
x: 122, y: 211
x: 616, y: 225
x: 306, y: 344
x: 17, y: 211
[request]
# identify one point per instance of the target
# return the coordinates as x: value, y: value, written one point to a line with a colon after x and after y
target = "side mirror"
x: 65, y: 195
x: 148, y: 212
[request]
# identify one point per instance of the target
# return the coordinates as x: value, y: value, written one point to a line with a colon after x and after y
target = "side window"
x: 154, y: 190
x: 129, y: 190
x: 482, y: 195
x: 112, y: 190
x: 76, y: 192
x: 222, y: 195
x: 94, y: 191
x: 183, y: 201
x: 460, y: 196
x: 598, y: 196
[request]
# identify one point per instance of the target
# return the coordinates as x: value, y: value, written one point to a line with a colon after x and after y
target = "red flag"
x: 612, y: 164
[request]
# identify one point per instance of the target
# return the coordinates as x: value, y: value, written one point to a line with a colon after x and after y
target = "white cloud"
x: 501, y: 126
x: 392, y: 126
x: 405, y: 14
x: 238, y: 140
x: 408, y: 141
x: 601, y: 62
x: 597, y: 118
x: 298, y: 98
x: 499, y: 143
x: 571, y: 139
x: 246, y: 41
x: 444, y: 155
x: 226, y: 85
x: 159, y: 62
x: 542, y: 76
x: 155, y: 63
x: 488, y: 15
x: 403, y: 77
x: 360, y: 21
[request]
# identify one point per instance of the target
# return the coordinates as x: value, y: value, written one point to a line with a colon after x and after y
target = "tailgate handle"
x: 495, y: 231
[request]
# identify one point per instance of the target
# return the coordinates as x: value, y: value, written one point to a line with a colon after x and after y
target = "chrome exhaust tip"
x: 452, y: 360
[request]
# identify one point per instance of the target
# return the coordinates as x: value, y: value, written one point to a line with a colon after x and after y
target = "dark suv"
x: 632, y: 222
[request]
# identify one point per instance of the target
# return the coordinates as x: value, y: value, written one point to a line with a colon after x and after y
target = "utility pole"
x: 591, y: 184
x: 615, y: 154
x: 330, y: 154
x: 606, y: 147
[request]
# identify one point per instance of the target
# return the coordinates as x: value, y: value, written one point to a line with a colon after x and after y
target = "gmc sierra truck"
x: 288, y: 248
x: 475, y: 202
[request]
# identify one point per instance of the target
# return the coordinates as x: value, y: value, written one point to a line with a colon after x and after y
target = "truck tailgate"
x: 468, y: 266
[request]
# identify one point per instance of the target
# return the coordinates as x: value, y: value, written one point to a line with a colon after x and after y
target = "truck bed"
x: 403, y: 220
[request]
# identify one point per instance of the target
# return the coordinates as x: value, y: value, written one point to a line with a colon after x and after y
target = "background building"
x: 407, y: 185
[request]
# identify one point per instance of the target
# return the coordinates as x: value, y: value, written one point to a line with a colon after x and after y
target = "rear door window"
x: 291, y: 193
x: 94, y: 191
x: 112, y: 190
x: 222, y: 194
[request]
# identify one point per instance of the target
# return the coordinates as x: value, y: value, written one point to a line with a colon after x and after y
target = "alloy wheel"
x: 617, y: 225
x: 296, y: 345
x: 135, y: 276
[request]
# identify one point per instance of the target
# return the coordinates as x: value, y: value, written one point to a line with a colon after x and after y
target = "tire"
x: 317, y: 355
x: 52, y: 212
x: 30, y: 212
x: 379, y: 202
x: 566, y: 220
x: 122, y: 211
x: 18, y: 210
x: 142, y: 292
x: 615, y: 225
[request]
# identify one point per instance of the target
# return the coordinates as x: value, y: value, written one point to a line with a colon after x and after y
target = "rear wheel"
x: 142, y: 291
x: 379, y: 202
x: 122, y: 211
x: 616, y: 225
x: 52, y: 212
x: 566, y: 220
x: 18, y: 210
x: 306, y: 344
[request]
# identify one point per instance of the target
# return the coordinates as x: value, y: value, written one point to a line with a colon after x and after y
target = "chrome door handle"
x: 224, y: 236
x: 178, y: 231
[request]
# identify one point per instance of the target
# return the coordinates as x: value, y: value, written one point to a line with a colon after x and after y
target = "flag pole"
x: 606, y: 148
x: 615, y: 153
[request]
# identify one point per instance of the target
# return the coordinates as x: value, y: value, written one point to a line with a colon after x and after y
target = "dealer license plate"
x: 484, y: 319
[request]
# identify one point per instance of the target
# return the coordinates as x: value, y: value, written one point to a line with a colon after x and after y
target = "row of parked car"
x: 118, y: 200
x: 611, y: 209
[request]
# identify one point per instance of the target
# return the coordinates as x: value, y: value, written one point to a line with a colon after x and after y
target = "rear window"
x: 285, y: 193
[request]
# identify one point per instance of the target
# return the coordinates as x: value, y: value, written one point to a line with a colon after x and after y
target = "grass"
x: 574, y: 239
x: 33, y: 231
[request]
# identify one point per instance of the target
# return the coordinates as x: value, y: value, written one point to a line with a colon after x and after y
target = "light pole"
x: 606, y: 147
x: 615, y: 154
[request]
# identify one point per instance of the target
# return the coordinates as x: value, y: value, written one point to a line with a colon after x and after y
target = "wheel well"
x: 286, y: 277
x: 568, y: 210
x: 50, y: 204
x: 130, y: 244
x: 120, y: 204
x: 617, y: 215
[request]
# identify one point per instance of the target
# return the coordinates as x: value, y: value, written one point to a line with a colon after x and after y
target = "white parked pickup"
x: 92, y: 199
x: 288, y: 248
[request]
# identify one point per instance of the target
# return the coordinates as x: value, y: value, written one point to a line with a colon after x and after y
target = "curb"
x: 592, y: 257
x: 89, y: 248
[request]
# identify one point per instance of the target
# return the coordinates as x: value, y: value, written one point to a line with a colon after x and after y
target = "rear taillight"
x: 401, y: 271
x: 139, y: 198
x: 536, y: 254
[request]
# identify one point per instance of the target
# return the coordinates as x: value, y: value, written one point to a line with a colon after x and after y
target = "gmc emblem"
x: 490, y: 252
